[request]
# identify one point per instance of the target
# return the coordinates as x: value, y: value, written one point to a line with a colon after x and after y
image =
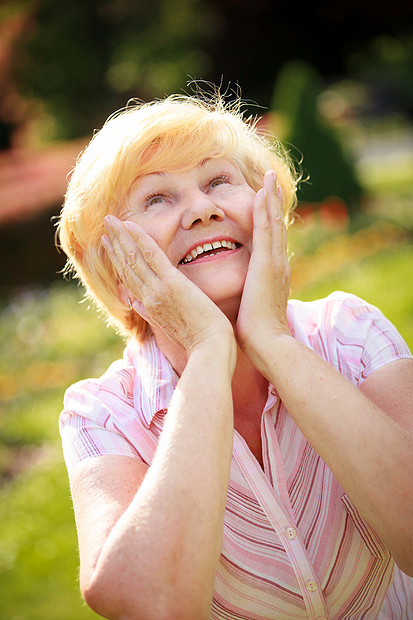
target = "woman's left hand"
x: 263, y: 307
x: 366, y: 442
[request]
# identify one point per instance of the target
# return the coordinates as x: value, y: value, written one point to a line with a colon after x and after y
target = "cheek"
x: 159, y: 227
x: 249, y: 217
x: 244, y: 213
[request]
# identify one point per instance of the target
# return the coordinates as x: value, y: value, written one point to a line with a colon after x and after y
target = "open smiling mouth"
x: 209, y: 249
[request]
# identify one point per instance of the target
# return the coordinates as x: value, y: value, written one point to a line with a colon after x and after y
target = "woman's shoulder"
x: 115, y: 382
x: 113, y: 413
x: 143, y: 379
x: 119, y: 376
x: 336, y: 298
x: 349, y: 332
x: 338, y: 309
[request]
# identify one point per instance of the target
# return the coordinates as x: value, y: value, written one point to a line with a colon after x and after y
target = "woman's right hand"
x: 139, y: 540
x: 160, y: 293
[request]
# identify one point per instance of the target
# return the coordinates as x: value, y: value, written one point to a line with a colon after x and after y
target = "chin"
x: 226, y: 293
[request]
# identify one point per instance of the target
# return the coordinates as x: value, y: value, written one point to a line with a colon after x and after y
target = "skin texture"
x: 222, y: 324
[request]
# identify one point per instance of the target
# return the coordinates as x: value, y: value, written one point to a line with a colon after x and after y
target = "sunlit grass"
x: 38, y: 563
x: 48, y: 340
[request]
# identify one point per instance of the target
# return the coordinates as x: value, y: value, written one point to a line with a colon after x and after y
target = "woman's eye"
x: 154, y: 200
x: 218, y: 181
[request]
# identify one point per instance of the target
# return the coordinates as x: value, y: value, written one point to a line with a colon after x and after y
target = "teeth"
x: 200, y: 249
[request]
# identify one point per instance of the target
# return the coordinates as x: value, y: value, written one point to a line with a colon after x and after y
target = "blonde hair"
x: 175, y: 133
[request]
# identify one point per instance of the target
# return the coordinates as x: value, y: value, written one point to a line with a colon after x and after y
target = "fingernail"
x: 262, y: 193
x: 280, y: 193
x: 112, y: 222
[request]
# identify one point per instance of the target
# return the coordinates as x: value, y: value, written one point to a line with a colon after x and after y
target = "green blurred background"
x: 334, y: 80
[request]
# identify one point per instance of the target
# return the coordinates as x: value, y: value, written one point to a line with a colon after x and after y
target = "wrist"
x: 218, y: 349
x: 266, y: 347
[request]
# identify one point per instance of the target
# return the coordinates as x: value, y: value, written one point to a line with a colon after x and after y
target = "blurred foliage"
x: 38, y: 564
x: 48, y: 340
x: 328, y: 169
x: 381, y: 277
x: 83, y: 60
x: 385, y: 65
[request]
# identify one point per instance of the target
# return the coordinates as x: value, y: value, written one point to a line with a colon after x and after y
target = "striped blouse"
x: 294, y: 546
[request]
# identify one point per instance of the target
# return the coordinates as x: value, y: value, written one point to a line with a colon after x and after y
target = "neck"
x: 249, y: 390
x: 248, y: 385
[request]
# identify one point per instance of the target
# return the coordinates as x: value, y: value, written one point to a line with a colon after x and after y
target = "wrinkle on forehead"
x: 180, y: 169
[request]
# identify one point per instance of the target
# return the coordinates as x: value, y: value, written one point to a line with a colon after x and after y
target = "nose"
x: 199, y: 208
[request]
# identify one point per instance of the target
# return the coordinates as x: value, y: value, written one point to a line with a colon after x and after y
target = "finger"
x: 275, y: 197
x: 130, y: 261
x: 133, y: 285
x: 152, y: 253
x: 136, y: 288
x: 109, y: 245
x: 125, y: 262
x: 138, y: 245
x: 276, y: 214
x: 141, y: 310
x: 261, y: 238
x: 136, y: 284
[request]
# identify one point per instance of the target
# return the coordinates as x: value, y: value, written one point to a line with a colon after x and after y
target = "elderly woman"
x: 250, y: 456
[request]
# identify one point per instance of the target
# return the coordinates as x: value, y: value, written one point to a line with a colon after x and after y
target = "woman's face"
x: 202, y: 220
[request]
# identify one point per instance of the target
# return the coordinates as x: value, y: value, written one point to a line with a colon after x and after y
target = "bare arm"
x: 365, y: 438
x: 150, y: 538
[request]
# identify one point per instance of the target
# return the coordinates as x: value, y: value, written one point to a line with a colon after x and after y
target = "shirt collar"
x: 155, y: 379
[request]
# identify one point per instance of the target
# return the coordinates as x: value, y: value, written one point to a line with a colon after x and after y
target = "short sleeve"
x: 87, y: 429
x: 365, y: 339
x: 87, y: 425
x: 348, y: 332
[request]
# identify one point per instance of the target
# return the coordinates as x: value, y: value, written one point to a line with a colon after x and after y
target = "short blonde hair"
x: 175, y: 133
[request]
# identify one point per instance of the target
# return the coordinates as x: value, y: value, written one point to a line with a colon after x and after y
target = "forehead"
x: 207, y: 165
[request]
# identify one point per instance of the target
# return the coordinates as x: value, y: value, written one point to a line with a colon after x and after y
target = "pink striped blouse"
x: 294, y: 546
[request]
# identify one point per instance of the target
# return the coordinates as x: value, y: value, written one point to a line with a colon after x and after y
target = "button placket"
x: 280, y: 520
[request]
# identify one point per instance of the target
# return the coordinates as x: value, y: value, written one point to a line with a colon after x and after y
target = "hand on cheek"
x: 160, y: 292
x: 263, y: 309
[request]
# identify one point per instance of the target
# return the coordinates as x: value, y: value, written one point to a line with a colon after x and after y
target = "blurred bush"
x: 77, y: 62
x: 328, y: 170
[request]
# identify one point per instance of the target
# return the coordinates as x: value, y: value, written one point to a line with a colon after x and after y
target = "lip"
x: 210, y: 240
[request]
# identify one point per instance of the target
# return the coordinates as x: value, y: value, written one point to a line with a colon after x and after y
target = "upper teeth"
x: 200, y: 249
